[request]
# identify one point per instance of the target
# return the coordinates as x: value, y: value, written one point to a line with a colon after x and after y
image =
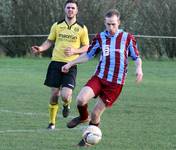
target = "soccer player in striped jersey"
x: 70, y: 39
x: 114, y: 46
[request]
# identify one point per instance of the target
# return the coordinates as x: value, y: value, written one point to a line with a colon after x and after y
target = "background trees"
x: 152, y: 17
x: 158, y: 18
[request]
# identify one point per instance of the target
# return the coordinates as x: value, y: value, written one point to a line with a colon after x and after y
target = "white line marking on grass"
x: 35, y: 130
x: 81, y: 128
x: 30, y: 113
x: 23, y: 113
x: 26, y: 131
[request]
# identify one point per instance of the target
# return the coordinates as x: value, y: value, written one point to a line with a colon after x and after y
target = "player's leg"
x: 52, y: 80
x: 66, y: 94
x: 53, y: 107
x: 68, y: 82
x: 90, y: 90
x: 95, y: 119
x: 97, y: 112
x: 108, y: 95
x: 83, y: 98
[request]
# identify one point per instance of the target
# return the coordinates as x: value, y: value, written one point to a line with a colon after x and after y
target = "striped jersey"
x: 114, y: 51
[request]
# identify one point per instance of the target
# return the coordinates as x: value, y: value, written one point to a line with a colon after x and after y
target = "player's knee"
x: 66, y: 97
x: 81, y: 100
x: 66, y: 94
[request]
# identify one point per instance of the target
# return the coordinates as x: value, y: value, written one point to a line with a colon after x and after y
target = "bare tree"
x: 151, y: 17
x: 157, y: 17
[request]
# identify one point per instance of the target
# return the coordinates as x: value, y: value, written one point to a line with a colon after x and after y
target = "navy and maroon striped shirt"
x: 114, y: 51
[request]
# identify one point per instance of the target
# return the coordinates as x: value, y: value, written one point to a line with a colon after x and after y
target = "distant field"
x: 144, y: 118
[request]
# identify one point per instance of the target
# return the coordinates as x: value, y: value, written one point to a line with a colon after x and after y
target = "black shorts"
x: 56, y: 78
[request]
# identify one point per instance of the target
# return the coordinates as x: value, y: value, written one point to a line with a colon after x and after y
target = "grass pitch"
x: 144, y: 118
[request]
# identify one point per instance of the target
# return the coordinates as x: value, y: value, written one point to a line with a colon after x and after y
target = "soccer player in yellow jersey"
x: 70, y: 39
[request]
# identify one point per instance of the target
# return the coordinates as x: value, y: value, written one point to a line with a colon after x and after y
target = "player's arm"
x: 84, y: 42
x: 81, y: 59
x: 43, y: 47
x: 81, y: 50
x: 71, y: 51
x: 93, y: 49
x: 139, y: 73
x: 134, y: 53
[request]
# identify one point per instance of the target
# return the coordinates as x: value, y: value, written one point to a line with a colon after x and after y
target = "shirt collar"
x: 109, y: 35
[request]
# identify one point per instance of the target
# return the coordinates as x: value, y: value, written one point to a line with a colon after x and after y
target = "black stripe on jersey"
x: 60, y: 21
x: 69, y: 27
x: 80, y: 24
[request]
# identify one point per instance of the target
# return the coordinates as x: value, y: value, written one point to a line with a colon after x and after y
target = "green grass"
x: 144, y: 118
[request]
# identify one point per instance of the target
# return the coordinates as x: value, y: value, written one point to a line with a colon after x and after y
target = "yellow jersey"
x: 64, y: 36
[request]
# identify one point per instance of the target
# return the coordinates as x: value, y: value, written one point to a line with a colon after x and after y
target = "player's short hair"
x: 71, y: 1
x: 112, y: 12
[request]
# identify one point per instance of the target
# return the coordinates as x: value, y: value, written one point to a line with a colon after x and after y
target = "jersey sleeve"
x: 94, y: 48
x: 52, y: 35
x: 84, y: 36
x: 133, y: 50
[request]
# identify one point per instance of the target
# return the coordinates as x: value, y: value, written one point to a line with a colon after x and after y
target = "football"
x: 92, y: 135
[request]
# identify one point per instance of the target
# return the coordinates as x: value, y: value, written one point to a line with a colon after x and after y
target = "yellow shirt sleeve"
x: 52, y: 35
x: 84, y: 36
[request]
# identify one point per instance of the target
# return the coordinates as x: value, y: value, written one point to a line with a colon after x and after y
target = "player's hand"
x: 66, y: 67
x: 139, y: 75
x: 35, y: 49
x: 69, y: 51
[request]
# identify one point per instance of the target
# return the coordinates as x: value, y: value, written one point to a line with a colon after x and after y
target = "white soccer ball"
x: 92, y: 135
